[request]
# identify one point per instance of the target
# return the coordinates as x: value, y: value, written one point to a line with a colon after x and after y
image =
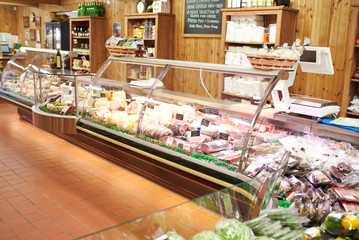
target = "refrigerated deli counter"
x: 139, y: 113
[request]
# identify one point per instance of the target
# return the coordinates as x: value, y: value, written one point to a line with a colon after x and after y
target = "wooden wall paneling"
x: 340, y: 56
x: 8, y: 16
x: 350, y: 66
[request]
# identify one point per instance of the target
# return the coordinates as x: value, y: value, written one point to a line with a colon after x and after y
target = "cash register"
x: 313, y: 60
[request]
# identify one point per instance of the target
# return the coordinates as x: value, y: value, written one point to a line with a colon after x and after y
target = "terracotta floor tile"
x: 15, y: 222
x: 79, y: 232
x: 57, y: 194
x: 23, y: 229
x: 36, y: 216
x: 70, y: 223
x: 43, y: 223
x: 35, y: 235
x: 61, y: 236
x: 52, y: 230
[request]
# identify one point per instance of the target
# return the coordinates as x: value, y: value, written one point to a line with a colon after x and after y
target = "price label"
x: 223, y: 136
x: 186, y: 147
x: 179, y: 116
x: 169, y: 141
x: 205, y: 122
x: 211, y: 111
x: 195, y: 133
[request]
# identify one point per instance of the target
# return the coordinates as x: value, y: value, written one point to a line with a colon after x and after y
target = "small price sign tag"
x: 179, y: 116
x: 223, y: 136
x: 205, y: 122
x: 195, y: 133
x: 211, y: 111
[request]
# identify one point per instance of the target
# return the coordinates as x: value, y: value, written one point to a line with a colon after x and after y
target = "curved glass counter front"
x: 241, y: 202
x: 17, y: 82
x: 172, y: 110
x: 59, y: 94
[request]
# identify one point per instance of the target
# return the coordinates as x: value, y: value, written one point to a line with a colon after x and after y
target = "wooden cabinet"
x: 162, y: 27
x: 88, y: 39
x: 158, y: 38
x: 351, y: 85
x: 285, y: 19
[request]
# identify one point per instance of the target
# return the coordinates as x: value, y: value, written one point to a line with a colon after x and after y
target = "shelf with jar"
x: 157, y: 32
x: 87, y: 39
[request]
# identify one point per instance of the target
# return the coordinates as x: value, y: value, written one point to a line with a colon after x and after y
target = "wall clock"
x: 142, y: 5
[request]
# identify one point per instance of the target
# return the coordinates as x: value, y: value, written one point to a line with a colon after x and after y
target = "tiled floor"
x: 51, y: 189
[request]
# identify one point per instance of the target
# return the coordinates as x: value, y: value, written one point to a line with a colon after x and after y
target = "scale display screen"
x: 309, y: 56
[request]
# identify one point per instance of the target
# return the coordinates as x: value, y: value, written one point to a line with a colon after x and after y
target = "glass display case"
x: 191, y: 131
x: 17, y: 82
x: 242, y: 202
x: 59, y: 94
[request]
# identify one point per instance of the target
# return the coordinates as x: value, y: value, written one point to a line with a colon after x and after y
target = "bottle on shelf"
x: 58, y: 59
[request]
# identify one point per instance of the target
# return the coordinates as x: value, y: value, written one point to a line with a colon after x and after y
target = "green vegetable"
x: 232, y: 229
x: 207, y: 235
x: 174, y: 236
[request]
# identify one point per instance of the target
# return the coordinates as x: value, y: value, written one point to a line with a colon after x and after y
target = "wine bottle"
x: 58, y: 59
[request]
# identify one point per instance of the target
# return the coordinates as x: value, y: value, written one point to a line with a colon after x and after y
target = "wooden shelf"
x: 355, y: 80
x: 260, y: 10
x: 80, y: 37
x: 352, y: 113
x: 251, y: 43
x: 236, y: 95
x: 84, y: 54
x: 97, y: 51
x: 78, y: 68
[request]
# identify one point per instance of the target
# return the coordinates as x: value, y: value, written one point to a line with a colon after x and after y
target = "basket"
x: 119, y: 51
x: 270, y: 63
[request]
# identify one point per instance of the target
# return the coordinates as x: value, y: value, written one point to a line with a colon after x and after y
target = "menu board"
x: 203, y: 16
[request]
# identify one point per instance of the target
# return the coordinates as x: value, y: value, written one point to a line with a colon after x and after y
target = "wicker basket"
x: 121, y: 51
x: 270, y: 63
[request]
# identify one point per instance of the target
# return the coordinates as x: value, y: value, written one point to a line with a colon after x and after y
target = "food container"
x: 258, y: 34
x: 272, y: 32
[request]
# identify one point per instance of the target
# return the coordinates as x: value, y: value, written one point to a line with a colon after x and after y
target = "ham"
x: 214, y: 119
x: 178, y: 128
x: 215, y: 146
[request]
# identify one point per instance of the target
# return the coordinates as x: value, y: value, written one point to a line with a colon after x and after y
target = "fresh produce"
x: 342, y: 223
x: 232, y: 229
x: 174, y: 236
x: 206, y: 235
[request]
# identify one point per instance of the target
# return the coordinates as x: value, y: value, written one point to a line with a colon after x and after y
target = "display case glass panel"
x: 242, y: 202
x: 153, y: 110
x: 17, y: 80
x: 60, y: 91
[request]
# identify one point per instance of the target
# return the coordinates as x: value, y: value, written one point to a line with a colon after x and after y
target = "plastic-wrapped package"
x: 200, y: 138
x: 207, y: 235
x: 317, y: 178
x: 134, y: 107
x: 232, y: 229
x: 178, y: 128
x: 190, y: 146
x: 118, y: 104
x: 214, y: 119
x: 211, y: 130
x: 156, y: 131
x: 215, y: 146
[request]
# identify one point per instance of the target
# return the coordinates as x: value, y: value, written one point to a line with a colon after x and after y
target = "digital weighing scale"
x: 313, y: 60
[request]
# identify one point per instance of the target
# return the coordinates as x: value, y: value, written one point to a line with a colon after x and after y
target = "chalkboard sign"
x: 203, y: 16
